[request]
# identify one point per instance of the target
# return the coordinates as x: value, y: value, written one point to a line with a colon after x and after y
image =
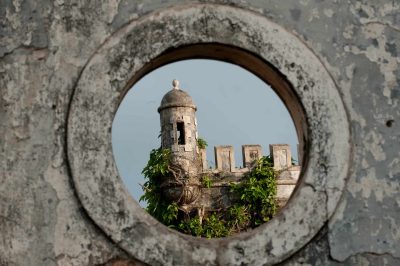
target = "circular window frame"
x: 228, y: 34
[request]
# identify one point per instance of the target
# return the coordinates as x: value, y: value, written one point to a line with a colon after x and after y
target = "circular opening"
x: 234, y: 107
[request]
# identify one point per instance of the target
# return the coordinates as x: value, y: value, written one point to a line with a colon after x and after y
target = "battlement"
x: 225, y: 157
x: 225, y: 163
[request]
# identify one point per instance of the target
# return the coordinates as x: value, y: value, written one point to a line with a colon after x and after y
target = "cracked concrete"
x: 44, y: 48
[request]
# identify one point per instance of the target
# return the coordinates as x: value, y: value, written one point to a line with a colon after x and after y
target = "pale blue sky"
x: 234, y: 107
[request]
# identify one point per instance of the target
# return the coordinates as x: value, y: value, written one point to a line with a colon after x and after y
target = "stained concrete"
x: 44, y: 48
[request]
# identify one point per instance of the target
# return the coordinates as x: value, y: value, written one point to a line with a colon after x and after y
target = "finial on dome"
x: 175, y: 84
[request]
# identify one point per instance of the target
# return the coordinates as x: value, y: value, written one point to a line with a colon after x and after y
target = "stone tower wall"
x: 169, y: 119
x: 184, y: 154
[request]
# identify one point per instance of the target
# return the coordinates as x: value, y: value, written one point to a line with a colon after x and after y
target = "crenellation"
x: 225, y: 158
x: 251, y: 153
x: 281, y: 155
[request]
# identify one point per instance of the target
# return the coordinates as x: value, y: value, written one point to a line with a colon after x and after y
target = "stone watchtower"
x: 178, y: 129
x: 179, y: 135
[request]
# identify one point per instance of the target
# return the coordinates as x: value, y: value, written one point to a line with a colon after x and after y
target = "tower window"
x: 180, y: 128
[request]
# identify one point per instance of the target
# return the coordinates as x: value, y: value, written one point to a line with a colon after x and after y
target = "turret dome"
x: 176, y: 98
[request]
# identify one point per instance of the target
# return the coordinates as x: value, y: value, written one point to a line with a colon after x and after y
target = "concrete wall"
x: 48, y: 218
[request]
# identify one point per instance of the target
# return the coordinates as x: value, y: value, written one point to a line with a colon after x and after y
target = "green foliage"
x: 215, y: 226
x: 255, y: 204
x: 211, y: 226
x: 171, y: 214
x: 192, y: 226
x: 157, y: 166
x: 238, y: 217
x: 156, y: 169
x: 258, y: 192
x: 201, y: 143
x: 206, y: 181
x: 255, y: 199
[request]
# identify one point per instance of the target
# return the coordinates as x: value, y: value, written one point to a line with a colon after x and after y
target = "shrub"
x: 201, y: 143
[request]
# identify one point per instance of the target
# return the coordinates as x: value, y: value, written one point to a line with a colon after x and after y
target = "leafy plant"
x: 192, y: 226
x: 258, y: 192
x: 214, y: 226
x: 156, y: 169
x: 157, y: 166
x: 238, y: 218
x: 171, y: 213
x: 211, y: 226
x: 207, y: 181
x: 201, y: 143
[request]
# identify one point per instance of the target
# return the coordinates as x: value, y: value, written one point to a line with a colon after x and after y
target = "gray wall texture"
x: 44, y: 48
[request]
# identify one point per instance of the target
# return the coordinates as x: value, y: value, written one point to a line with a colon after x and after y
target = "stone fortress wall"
x: 280, y: 153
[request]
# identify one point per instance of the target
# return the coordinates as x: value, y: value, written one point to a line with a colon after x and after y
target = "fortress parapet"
x: 282, y: 159
x: 225, y: 157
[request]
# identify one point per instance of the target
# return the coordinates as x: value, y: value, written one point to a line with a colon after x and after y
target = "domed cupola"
x: 176, y: 98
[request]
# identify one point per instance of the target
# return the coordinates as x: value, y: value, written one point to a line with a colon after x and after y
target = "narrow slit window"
x: 180, y: 128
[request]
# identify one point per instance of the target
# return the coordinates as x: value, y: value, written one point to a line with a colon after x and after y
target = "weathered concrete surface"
x: 45, y: 45
x: 143, y: 42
